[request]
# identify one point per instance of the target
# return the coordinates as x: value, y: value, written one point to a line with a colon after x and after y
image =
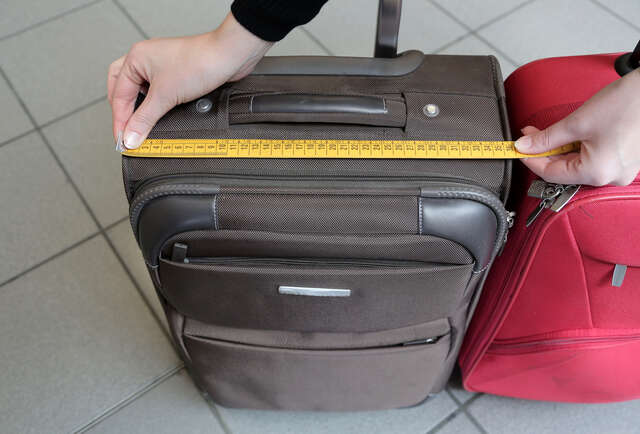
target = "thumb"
x: 144, y: 118
x: 536, y: 141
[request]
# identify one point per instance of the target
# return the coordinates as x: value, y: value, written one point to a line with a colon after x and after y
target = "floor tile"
x: 41, y: 213
x: 62, y: 65
x: 122, y: 237
x: 76, y: 339
x: 456, y: 389
x: 425, y: 27
x: 472, y: 45
x: 172, y: 18
x: 461, y: 424
x: 16, y: 15
x: 84, y: 143
x: 14, y: 120
x: 628, y: 9
x: 403, y: 421
x: 172, y: 407
x: 549, y: 28
x: 348, y: 28
x: 504, y: 415
x: 475, y: 13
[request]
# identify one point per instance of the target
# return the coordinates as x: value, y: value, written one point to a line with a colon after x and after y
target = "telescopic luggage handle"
x: 387, y: 28
x: 627, y: 62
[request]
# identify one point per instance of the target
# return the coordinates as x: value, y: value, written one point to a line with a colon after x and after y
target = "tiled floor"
x: 84, y: 345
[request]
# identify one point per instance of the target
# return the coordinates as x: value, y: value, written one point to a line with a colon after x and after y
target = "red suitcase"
x: 559, y: 318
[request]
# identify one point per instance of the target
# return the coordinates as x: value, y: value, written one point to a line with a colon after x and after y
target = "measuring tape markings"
x: 316, y: 148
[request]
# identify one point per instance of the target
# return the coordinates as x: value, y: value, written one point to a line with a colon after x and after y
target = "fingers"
x: 536, y: 141
x: 154, y: 106
x: 124, y: 94
x: 560, y: 169
x: 112, y: 76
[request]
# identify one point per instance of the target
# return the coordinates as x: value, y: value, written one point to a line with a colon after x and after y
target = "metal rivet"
x: 431, y: 110
x: 203, y: 105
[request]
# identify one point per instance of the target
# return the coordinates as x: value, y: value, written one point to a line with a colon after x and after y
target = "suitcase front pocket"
x: 250, y: 376
x: 312, y: 294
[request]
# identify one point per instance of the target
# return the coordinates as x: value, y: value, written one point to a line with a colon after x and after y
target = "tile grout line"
x: 73, y: 112
x: 18, y: 137
x: 61, y: 252
x: 48, y: 20
x: 316, y: 40
x: 452, y: 42
x: 462, y: 409
x: 54, y: 120
x: 213, y: 408
x: 130, y: 399
x: 615, y: 14
x: 135, y: 24
x: 88, y: 208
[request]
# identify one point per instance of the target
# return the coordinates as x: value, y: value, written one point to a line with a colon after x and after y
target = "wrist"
x: 232, y: 36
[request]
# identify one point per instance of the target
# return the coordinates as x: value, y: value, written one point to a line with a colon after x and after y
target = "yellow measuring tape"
x: 394, y: 149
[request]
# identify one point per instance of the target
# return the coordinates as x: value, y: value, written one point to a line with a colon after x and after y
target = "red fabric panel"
x: 596, y: 373
x: 550, y: 325
x: 554, y: 295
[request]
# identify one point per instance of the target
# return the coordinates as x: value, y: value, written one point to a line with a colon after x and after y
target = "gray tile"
x: 348, y: 28
x: 76, y: 340
x: 629, y: 9
x: 16, y: 15
x: 472, y: 45
x: 503, y: 415
x: 13, y: 119
x: 456, y: 388
x: 475, y: 13
x: 172, y: 407
x: 402, y: 421
x: 84, y: 143
x: 461, y: 424
x: 548, y: 28
x: 425, y: 27
x: 172, y: 18
x: 41, y: 214
x: 62, y: 65
x: 122, y: 237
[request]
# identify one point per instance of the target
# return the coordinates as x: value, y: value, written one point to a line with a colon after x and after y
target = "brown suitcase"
x: 326, y: 284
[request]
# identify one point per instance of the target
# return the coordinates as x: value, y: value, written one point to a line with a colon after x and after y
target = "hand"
x: 176, y: 70
x: 608, y: 125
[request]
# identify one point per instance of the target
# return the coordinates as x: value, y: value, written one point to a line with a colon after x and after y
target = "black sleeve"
x: 272, y: 20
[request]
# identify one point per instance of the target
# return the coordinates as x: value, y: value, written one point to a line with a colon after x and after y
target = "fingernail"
x: 132, y: 140
x: 523, y: 144
x: 119, y: 146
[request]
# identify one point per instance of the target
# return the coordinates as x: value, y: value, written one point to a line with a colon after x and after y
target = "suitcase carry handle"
x: 405, y: 63
x: 312, y: 108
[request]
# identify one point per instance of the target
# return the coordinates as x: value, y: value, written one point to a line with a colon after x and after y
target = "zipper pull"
x: 554, y: 196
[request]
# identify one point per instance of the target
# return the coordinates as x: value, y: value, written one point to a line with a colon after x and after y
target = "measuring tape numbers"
x: 316, y: 148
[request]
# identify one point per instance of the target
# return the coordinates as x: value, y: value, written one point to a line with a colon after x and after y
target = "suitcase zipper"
x: 588, y: 194
x: 518, y: 347
x: 554, y: 196
x: 301, y: 262
x: 439, y: 188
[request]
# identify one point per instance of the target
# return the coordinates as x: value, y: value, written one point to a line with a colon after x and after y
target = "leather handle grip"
x: 367, y: 105
x: 305, y: 108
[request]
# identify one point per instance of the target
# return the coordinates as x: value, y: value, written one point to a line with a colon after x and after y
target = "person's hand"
x: 608, y: 125
x: 176, y: 70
